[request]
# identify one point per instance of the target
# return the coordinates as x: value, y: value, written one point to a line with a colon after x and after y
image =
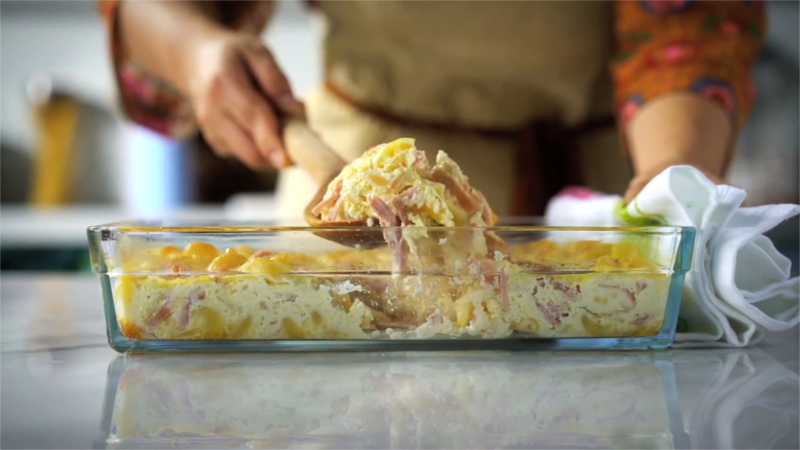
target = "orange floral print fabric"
x: 705, y: 47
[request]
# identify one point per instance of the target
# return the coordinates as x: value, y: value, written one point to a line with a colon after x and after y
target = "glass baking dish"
x: 395, y: 400
x: 241, y: 287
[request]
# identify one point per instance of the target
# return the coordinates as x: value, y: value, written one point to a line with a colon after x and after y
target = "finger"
x: 271, y: 79
x: 251, y: 111
x: 234, y: 140
x: 634, y: 188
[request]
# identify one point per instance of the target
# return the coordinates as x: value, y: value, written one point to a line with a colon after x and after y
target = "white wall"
x: 66, y: 39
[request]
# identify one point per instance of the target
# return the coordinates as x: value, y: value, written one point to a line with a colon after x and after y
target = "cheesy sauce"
x: 202, y: 292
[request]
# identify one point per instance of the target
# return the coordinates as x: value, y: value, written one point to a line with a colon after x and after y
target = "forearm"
x: 680, y: 128
x: 160, y: 35
x: 682, y: 81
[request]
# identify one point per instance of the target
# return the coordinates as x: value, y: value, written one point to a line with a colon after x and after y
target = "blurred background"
x: 68, y: 160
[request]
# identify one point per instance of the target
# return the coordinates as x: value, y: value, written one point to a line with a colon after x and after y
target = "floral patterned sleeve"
x: 706, y: 47
x: 151, y: 102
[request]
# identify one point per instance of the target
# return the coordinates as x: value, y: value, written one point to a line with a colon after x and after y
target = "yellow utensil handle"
x: 309, y: 152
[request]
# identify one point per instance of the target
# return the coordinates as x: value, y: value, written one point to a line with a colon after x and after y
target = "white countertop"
x: 60, y: 379
x: 22, y: 226
x: 66, y: 227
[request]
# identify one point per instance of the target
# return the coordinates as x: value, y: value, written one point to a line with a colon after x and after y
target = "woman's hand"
x: 236, y: 89
x: 678, y: 129
x: 640, y: 180
x: 238, y: 92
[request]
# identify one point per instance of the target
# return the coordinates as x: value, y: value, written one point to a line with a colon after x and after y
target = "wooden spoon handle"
x: 307, y: 150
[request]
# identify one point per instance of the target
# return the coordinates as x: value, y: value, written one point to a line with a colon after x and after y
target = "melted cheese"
x: 399, y: 176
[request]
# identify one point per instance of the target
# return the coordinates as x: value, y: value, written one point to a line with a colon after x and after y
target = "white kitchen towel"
x: 739, y: 285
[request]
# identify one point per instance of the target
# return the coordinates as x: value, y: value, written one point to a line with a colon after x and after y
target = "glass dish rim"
x: 252, y: 227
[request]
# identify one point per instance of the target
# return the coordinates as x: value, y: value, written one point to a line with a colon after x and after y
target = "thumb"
x: 272, y: 81
x: 634, y: 188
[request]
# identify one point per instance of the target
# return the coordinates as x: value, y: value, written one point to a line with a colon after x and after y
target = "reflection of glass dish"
x: 256, y: 287
x: 400, y: 401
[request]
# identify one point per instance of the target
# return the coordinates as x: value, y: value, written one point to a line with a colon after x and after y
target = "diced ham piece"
x: 486, y: 213
x: 462, y: 196
x: 494, y: 243
x: 567, y: 290
x: 641, y: 319
x: 631, y: 296
x: 385, y: 215
x: 193, y: 297
x: 393, y: 237
x: 474, y: 266
x: 334, y: 212
x: 160, y: 316
x: 379, y: 285
x: 551, y: 312
x: 502, y: 281
x: 630, y: 293
x: 487, y: 269
x: 412, y: 192
x: 419, y: 159
x: 330, y: 201
x: 399, y: 252
x: 400, y: 211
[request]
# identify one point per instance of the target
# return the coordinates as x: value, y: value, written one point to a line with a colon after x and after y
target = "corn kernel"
x: 265, y: 266
x: 291, y: 330
x: 226, y: 262
x: 169, y: 251
x: 242, y: 250
x: 342, y: 302
x: 125, y: 289
x: 464, y: 310
x: 240, y: 331
x: 201, y: 250
x: 211, y: 322
x: 130, y: 330
x: 290, y: 259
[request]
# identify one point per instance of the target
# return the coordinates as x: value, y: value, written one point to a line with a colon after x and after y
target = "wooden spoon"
x: 323, y: 164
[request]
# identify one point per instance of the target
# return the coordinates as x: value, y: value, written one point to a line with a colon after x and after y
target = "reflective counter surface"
x: 63, y: 387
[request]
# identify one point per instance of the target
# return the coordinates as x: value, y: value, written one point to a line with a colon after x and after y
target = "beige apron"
x: 486, y: 65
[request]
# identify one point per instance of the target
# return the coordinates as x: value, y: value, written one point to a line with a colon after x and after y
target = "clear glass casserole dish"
x: 240, y: 287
